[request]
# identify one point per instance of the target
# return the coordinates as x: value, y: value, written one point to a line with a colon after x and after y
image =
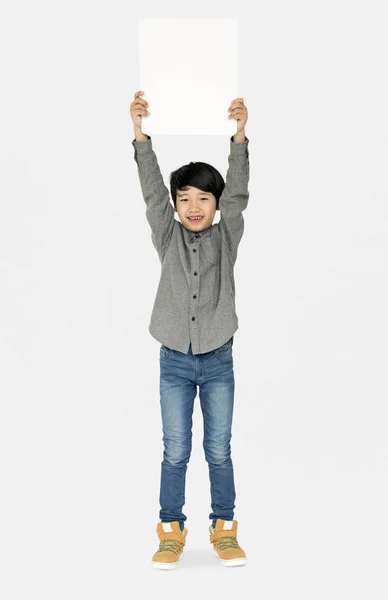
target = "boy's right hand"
x: 138, y: 109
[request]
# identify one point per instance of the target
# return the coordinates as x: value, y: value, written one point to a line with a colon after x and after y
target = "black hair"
x: 200, y: 175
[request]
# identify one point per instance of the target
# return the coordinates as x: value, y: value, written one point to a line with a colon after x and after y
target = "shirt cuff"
x: 142, y: 147
x: 238, y: 147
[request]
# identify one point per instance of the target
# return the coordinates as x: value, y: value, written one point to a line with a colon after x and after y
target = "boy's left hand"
x: 239, y: 112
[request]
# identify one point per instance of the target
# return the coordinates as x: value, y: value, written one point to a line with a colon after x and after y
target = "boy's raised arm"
x: 234, y: 198
x: 159, y: 210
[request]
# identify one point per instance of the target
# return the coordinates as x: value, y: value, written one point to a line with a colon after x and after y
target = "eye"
x: 184, y: 199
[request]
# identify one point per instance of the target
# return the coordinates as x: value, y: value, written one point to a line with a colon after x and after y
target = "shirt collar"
x: 192, y: 236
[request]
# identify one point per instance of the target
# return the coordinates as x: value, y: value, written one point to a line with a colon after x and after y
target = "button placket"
x: 195, y: 274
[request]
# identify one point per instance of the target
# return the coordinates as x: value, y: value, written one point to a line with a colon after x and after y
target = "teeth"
x: 195, y: 218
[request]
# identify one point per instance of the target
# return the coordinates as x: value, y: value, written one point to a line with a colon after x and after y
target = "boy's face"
x: 192, y: 202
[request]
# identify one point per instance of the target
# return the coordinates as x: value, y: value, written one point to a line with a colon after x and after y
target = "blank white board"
x: 188, y: 71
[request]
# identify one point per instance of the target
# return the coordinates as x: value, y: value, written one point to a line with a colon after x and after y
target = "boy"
x: 194, y: 318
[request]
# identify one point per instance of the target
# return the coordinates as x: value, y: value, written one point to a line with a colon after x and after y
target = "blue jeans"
x: 180, y: 374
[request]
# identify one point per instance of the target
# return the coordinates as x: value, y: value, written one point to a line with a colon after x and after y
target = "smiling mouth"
x: 195, y: 218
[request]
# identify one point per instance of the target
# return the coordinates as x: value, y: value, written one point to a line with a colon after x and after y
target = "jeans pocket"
x: 165, y: 352
x: 224, y: 354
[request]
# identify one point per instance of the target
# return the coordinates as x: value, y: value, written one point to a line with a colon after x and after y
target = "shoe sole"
x: 233, y: 562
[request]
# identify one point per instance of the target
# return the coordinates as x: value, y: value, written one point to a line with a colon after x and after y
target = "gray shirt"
x: 195, y: 299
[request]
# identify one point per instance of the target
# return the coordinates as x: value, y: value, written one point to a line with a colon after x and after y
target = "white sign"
x: 188, y: 71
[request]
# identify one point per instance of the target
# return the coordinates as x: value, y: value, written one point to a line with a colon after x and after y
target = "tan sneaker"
x: 225, y: 545
x: 172, y: 542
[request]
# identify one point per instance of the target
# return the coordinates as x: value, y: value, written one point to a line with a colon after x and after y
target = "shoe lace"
x: 226, y: 541
x: 170, y: 546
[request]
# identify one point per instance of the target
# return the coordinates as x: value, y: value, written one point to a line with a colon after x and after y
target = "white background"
x: 80, y: 425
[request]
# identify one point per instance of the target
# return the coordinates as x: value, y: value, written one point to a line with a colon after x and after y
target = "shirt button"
x: 194, y: 249
x: 197, y: 235
x: 195, y: 272
x: 194, y: 296
x: 193, y: 318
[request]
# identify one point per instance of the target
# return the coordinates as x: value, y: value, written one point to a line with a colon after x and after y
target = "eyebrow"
x: 199, y: 193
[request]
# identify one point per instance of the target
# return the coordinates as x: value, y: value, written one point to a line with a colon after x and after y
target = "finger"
x: 236, y: 111
x: 238, y: 115
x: 137, y: 97
x: 239, y: 106
x: 233, y: 110
x: 140, y: 93
x: 140, y: 102
x: 140, y: 111
x: 236, y: 105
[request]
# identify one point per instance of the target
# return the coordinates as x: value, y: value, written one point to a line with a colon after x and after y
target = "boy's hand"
x: 138, y: 108
x: 239, y: 112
